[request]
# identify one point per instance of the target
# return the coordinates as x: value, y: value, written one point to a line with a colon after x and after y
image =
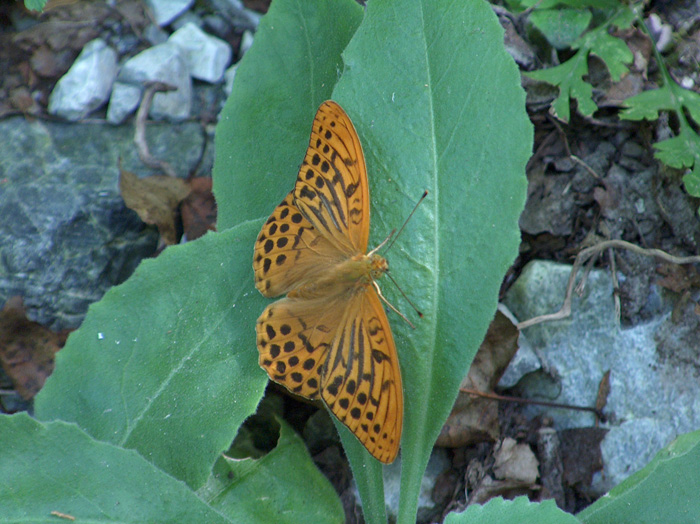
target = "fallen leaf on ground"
x: 27, y: 348
x: 198, y: 209
x: 155, y: 199
x: 475, y: 419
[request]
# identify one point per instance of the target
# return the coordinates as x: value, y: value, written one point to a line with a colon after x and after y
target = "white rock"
x: 206, y: 55
x: 124, y: 101
x: 246, y: 42
x: 163, y: 63
x: 229, y: 75
x: 87, y: 84
x: 165, y: 11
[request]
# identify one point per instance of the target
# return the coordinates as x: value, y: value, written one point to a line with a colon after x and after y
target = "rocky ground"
x: 71, y: 87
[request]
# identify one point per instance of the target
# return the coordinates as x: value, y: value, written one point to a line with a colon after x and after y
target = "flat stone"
x: 124, y: 101
x: 87, y: 84
x: 654, y: 396
x: 163, y: 63
x: 65, y: 234
x: 206, y: 55
x: 165, y: 11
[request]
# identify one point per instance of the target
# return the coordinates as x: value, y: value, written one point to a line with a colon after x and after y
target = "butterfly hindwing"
x: 361, y: 379
x: 294, y: 337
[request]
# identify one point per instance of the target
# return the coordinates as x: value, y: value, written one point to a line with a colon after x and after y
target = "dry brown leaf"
x: 678, y: 278
x: 198, y: 209
x: 155, y: 199
x: 472, y: 419
x: 27, y: 348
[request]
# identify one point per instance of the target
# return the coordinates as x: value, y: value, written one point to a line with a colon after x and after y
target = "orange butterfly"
x: 330, y: 337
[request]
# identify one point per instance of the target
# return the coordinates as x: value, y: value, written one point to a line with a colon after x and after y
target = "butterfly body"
x: 329, y: 338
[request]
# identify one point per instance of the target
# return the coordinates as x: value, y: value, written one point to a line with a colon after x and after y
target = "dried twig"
x: 589, y: 252
x: 140, y: 134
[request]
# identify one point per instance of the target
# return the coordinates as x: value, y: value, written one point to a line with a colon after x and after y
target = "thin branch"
x: 140, y: 134
x: 589, y: 252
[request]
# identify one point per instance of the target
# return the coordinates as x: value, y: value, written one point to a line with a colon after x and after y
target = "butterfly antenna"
x: 425, y: 194
x: 391, y: 306
x: 420, y: 315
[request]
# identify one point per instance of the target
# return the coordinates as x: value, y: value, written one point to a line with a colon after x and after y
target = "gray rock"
x: 87, y: 84
x: 65, y: 233
x: 163, y: 63
x: 124, y: 101
x: 155, y: 35
x: 206, y: 55
x: 188, y: 17
x: 165, y: 11
x: 652, y: 398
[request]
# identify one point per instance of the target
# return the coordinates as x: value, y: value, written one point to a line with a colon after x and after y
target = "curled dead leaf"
x: 27, y: 348
x: 155, y: 199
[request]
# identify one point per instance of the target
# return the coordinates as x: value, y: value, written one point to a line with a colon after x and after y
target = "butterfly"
x: 330, y: 338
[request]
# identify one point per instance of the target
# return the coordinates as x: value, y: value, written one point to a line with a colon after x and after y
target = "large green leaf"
x: 264, y: 129
x: 56, y: 467
x: 666, y: 490
x: 518, y: 511
x: 438, y: 106
x: 166, y: 362
x: 249, y: 489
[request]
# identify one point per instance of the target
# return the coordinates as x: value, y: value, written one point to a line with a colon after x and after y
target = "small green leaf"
x: 569, y: 78
x: 35, y: 5
x: 666, y: 490
x: 646, y: 105
x: 692, y: 180
x: 518, y: 511
x: 275, y: 488
x: 561, y: 27
x: 680, y: 151
x: 57, y: 467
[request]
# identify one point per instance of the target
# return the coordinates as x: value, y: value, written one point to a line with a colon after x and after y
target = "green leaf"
x: 578, y: 4
x: 438, y: 105
x: 561, y: 27
x: 291, y: 68
x: 35, y: 5
x: 57, y: 467
x: 429, y: 117
x: 518, y: 511
x: 569, y: 76
x: 680, y: 151
x: 275, y: 488
x: 646, y: 105
x: 166, y: 362
x: 666, y: 490
x: 691, y: 180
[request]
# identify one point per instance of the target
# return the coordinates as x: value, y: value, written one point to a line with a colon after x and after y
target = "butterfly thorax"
x: 349, y: 275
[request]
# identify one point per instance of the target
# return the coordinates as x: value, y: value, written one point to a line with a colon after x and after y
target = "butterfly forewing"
x: 289, y: 252
x: 332, y: 190
x: 330, y: 336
